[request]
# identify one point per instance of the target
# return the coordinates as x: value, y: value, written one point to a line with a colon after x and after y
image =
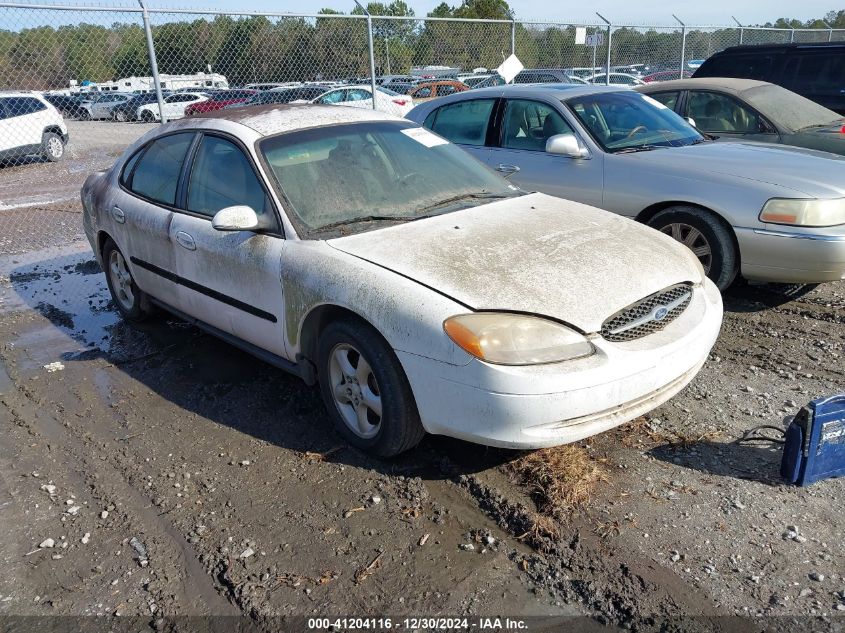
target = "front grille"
x: 648, y: 315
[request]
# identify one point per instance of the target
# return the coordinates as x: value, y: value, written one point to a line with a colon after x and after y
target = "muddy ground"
x: 176, y: 475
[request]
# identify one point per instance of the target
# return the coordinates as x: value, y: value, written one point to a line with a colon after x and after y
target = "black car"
x: 68, y: 105
x: 282, y: 95
x: 529, y: 76
x: 129, y: 111
x: 815, y: 71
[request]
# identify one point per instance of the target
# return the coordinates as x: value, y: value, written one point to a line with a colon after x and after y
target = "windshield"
x: 360, y: 173
x: 789, y: 109
x: 630, y: 121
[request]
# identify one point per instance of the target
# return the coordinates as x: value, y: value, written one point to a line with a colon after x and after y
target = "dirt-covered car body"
x: 275, y: 290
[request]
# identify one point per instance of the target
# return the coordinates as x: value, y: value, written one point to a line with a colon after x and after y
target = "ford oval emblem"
x: 660, y: 313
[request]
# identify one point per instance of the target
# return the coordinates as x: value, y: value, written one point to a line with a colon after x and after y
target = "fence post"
x: 513, y: 37
x: 153, y: 64
x: 792, y: 36
x: 372, y: 53
x: 609, y: 42
x: 741, y: 29
x: 681, y: 68
x: 829, y: 31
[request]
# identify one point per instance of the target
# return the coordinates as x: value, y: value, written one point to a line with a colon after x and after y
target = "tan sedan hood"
x: 534, y: 254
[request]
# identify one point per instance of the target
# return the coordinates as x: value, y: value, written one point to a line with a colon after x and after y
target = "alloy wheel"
x: 121, y: 281
x: 693, y: 239
x: 355, y: 391
x: 55, y: 147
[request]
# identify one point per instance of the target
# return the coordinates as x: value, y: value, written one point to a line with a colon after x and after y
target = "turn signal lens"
x: 515, y: 339
x: 798, y: 212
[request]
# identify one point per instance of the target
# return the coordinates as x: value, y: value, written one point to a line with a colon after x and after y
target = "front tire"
x: 52, y: 147
x: 120, y: 116
x: 127, y: 297
x: 706, y: 236
x: 366, y: 391
x: 147, y: 116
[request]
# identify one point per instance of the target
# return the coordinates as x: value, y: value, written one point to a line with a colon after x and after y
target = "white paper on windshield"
x: 510, y: 68
x: 655, y: 102
x: 421, y: 135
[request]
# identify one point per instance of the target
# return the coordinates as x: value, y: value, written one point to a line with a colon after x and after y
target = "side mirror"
x: 691, y: 121
x: 237, y: 218
x: 565, y: 145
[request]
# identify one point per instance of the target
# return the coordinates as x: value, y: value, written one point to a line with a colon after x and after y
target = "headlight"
x: 804, y: 212
x: 515, y: 339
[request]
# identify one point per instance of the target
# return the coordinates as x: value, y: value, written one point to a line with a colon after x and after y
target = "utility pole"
x: 372, y: 54
x: 683, y: 47
x: 153, y: 64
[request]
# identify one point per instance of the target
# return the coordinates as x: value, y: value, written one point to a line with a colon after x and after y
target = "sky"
x: 648, y: 12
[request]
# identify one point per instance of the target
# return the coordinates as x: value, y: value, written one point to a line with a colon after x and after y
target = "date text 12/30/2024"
x: 416, y: 623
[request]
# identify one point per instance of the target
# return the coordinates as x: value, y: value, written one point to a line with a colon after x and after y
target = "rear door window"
x: 740, y: 66
x: 464, y: 122
x: 156, y: 173
x: 819, y: 74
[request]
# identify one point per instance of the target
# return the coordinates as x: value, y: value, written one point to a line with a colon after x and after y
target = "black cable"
x: 754, y: 435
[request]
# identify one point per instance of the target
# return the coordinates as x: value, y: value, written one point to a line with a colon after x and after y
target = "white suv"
x: 29, y: 125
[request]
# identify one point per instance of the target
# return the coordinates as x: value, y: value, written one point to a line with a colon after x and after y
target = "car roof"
x: 725, y: 84
x: 265, y: 120
x: 751, y: 48
x: 560, y: 91
x: 19, y: 93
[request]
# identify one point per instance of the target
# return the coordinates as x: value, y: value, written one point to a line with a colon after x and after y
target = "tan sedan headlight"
x: 515, y: 339
x: 798, y: 212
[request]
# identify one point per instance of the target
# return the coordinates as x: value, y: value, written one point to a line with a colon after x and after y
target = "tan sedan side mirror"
x: 565, y: 145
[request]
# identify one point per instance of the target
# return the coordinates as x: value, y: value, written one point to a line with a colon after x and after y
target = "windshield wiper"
x: 639, y: 148
x: 365, y: 218
x: 466, y: 196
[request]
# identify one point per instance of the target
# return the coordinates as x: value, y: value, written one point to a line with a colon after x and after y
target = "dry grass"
x: 639, y: 432
x: 559, y: 480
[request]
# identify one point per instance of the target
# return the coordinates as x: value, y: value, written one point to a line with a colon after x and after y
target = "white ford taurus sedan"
x: 421, y: 290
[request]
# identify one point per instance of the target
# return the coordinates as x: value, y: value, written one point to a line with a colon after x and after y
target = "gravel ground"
x: 177, y: 476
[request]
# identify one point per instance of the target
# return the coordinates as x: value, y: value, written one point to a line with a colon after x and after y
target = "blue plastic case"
x: 815, y: 442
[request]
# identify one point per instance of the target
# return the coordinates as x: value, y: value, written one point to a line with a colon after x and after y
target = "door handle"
x: 507, y: 169
x: 118, y: 215
x: 186, y: 241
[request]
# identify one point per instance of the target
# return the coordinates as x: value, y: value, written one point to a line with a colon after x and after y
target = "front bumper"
x: 811, y: 256
x: 546, y: 405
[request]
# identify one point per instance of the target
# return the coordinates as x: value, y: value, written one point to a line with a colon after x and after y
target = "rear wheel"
x: 366, y: 391
x: 85, y: 114
x: 120, y: 116
x: 705, y: 235
x: 52, y: 147
x: 127, y: 297
x: 147, y: 116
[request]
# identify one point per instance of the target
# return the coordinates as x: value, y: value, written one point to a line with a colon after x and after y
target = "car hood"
x: 533, y: 254
x: 807, y: 172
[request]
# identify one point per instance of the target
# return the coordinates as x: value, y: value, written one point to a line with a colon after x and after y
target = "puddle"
x: 69, y: 290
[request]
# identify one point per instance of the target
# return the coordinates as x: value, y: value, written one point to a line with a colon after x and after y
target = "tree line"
x: 260, y: 49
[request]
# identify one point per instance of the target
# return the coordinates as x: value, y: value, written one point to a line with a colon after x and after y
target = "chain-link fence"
x: 67, y: 72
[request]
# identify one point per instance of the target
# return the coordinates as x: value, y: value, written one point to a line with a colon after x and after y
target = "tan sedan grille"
x: 648, y: 315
